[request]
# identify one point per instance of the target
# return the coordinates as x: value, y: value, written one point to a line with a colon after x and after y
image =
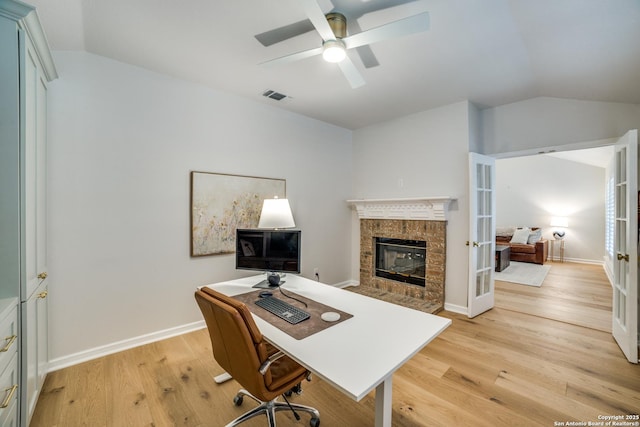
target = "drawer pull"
x: 7, y: 400
x: 43, y: 294
x: 10, y: 340
x: 43, y: 275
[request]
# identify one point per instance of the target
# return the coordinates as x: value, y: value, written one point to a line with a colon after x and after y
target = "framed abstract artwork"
x: 222, y: 203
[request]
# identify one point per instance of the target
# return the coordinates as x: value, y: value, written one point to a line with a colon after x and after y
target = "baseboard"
x: 456, y: 308
x: 94, y: 353
x: 347, y: 283
x: 576, y: 260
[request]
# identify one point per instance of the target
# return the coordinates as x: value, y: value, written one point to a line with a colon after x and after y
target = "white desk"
x: 356, y: 355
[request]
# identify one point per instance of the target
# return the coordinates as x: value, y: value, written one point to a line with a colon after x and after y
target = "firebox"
x: 401, y: 260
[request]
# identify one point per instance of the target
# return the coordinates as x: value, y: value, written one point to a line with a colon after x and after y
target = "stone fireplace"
x: 403, y: 246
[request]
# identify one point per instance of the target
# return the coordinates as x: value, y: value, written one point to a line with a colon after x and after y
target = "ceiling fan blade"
x: 317, y: 18
x: 283, y: 33
x: 402, y: 27
x: 351, y: 73
x: 293, y: 57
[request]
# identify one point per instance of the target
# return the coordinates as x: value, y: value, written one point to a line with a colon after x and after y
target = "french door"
x: 482, y: 208
x: 625, y: 260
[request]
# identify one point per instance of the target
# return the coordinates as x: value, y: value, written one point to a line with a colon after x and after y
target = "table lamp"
x: 276, y: 213
x: 562, y: 222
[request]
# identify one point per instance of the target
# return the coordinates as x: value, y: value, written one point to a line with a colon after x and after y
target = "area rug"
x: 523, y: 273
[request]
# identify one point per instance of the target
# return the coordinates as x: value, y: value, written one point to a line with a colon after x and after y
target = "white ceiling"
x: 600, y: 156
x: 491, y: 52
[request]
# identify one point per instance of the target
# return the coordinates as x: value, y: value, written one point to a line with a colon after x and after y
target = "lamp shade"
x: 559, y: 221
x: 276, y: 213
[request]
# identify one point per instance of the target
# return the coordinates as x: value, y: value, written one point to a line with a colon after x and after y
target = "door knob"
x: 623, y: 257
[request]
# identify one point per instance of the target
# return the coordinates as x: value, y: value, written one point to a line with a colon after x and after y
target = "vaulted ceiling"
x: 491, y: 52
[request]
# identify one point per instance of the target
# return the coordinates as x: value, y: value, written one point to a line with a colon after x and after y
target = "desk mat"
x: 298, y: 331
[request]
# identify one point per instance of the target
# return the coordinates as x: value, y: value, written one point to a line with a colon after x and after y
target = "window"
x: 609, y: 217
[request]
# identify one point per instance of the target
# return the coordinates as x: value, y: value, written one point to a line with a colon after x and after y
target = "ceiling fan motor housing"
x: 338, y: 24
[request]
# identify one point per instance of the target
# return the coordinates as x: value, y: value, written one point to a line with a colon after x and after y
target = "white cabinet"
x: 26, y: 66
x: 34, y: 288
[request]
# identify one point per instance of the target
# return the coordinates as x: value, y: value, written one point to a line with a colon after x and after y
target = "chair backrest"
x: 238, y: 345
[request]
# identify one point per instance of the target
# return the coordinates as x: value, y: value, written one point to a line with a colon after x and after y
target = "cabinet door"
x: 35, y: 348
x: 42, y: 330
x: 35, y: 173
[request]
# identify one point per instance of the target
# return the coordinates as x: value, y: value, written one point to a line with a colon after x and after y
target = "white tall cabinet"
x: 26, y: 66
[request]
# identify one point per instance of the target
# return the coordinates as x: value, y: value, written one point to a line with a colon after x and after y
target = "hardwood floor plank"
x: 52, y: 399
x: 571, y: 409
x: 605, y: 402
x: 126, y: 397
x: 163, y: 386
x: 85, y: 394
x: 420, y: 405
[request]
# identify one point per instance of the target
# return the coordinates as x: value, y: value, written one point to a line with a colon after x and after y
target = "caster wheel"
x: 315, y: 422
x: 237, y: 400
x: 288, y: 393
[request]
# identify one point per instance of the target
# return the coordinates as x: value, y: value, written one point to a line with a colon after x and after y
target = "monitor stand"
x: 266, y: 284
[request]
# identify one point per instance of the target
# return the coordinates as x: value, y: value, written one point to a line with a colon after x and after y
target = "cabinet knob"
x: 43, y: 294
x: 42, y: 275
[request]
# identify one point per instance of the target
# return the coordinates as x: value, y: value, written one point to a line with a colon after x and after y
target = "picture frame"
x: 222, y: 203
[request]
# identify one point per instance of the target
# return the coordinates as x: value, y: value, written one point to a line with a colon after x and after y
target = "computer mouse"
x: 265, y: 294
x: 330, y: 316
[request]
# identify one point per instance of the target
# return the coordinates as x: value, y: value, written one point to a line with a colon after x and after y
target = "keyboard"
x: 283, y: 310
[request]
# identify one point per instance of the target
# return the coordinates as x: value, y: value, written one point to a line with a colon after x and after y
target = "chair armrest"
x: 267, y: 363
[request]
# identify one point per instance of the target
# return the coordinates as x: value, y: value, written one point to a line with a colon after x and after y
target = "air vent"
x: 274, y: 95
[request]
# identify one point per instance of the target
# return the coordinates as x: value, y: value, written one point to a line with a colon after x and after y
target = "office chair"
x: 239, y: 348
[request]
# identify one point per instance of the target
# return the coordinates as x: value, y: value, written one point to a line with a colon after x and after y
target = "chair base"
x: 269, y: 409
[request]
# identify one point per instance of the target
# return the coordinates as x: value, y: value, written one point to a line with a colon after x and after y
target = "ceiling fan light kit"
x: 334, y: 51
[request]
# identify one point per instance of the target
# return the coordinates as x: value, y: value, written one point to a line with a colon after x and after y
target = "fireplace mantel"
x: 419, y: 208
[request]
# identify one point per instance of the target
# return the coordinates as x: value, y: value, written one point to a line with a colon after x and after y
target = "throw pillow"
x: 521, y: 235
x: 534, y: 237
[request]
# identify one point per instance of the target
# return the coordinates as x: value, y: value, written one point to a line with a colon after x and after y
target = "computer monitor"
x: 269, y: 251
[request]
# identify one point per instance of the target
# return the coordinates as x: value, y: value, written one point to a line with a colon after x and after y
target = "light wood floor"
x: 515, y: 365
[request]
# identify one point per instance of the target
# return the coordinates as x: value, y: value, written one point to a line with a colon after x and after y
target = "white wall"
x: 530, y: 190
x: 547, y: 122
x: 122, y: 143
x: 424, y: 154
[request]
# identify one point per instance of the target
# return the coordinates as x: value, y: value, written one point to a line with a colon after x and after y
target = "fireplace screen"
x: 401, y: 260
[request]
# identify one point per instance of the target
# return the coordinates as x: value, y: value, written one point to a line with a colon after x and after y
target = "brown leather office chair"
x: 239, y: 348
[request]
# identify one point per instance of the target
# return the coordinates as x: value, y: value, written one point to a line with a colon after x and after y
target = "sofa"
x: 526, y: 243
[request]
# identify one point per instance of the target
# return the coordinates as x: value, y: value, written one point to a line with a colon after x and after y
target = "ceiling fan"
x: 332, y: 28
